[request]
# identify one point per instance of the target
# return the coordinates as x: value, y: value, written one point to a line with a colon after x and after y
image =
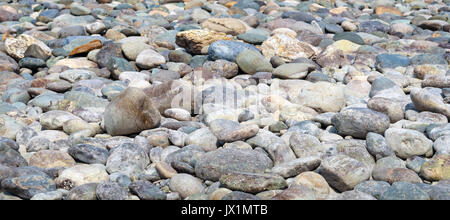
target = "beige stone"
x: 287, y: 48
x: 226, y: 25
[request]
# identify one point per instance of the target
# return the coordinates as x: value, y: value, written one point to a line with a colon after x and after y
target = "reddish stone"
x: 95, y: 44
x: 39, y: 83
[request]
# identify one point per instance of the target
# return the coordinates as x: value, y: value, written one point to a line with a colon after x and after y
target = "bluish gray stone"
x: 31, y: 63
x: 378, y: 146
x: 373, y: 26
x: 89, y: 154
x: 298, y: 16
x: 252, y: 38
x: 86, y: 100
x: 147, y: 191
x: 372, y: 187
x: 27, y: 186
x: 392, y: 61
x: 227, y: 50
x: 10, y: 157
x: 404, y: 191
x: 212, y: 165
x: 48, y: 15
x: 382, y: 83
x: 428, y: 58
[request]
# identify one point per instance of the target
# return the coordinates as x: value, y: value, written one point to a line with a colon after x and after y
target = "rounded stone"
x: 343, y: 172
x: 404, y: 191
x: 357, y: 122
x: 130, y: 112
x: 111, y: 191
x: 81, y: 174
x: 185, y: 185
x: 251, y: 61
x: 212, y: 165
x: 407, y: 143
x: 51, y: 159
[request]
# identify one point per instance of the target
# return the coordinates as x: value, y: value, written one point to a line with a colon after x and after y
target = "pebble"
x: 196, y: 39
x: 314, y: 181
x: 350, y: 36
x: 83, y: 192
x: 297, y: 166
x: 378, y: 146
x: 178, y: 114
x: 229, y: 131
x: 219, y: 68
x: 128, y: 158
x: 286, y: 47
x: 393, y: 175
x: 204, y: 138
x: 404, y: 191
x: 165, y: 170
x: 237, y: 195
x: 212, y: 165
x: 278, y: 150
x: 186, y: 185
x: 407, y: 143
x: 296, y: 192
x: 250, y: 62
x: 51, y: 159
x: 442, y: 144
x: 132, y: 105
x: 322, y: 96
x: 230, y: 26
x: 252, y: 183
x: 146, y: 190
x: 387, y: 106
x: 436, y: 168
x: 11, y: 157
x: 26, y: 187
x: 111, y: 191
x: 423, y: 100
x: 89, y: 154
x: 345, y: 122
x: 149, y: 58
x: 293, y: 70
x: 227, y: 49
x: 318, y: 100
x: 52, y: 195
x: 343, y: 172
x: 372, y: 187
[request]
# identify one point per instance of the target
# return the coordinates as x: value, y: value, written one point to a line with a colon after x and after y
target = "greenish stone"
x: 251, y: 61
x: 350, y: 36
x: 252, y: 38
x: 404, y: 191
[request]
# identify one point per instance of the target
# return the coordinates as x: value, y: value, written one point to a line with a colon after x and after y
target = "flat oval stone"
x: 213, y: 165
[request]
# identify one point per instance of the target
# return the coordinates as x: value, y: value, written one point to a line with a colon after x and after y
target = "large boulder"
x: 130, y: 112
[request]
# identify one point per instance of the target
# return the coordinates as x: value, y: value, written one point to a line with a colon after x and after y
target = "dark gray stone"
x: 89, y: 154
